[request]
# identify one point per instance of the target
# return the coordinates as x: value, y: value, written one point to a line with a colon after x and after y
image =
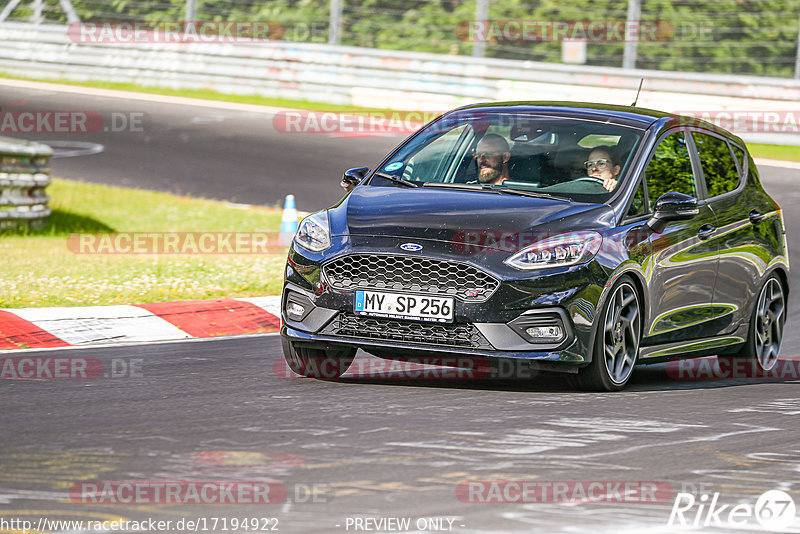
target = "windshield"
x: 583, y: 160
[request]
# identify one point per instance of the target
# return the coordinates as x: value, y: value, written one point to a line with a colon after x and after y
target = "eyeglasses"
x: 599, y: 163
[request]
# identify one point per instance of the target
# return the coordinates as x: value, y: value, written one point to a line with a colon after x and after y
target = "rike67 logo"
x: 774, y: 510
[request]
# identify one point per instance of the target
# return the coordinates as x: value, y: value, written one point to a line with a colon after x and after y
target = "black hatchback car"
x: 582, y: 238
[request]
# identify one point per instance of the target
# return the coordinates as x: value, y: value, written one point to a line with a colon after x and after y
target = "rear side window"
x: 719, y: 168
x: 739, y: 156
x: 670, y: 169
x: 752, y: 172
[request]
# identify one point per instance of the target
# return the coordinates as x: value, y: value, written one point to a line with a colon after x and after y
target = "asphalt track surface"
x: 380, y: 446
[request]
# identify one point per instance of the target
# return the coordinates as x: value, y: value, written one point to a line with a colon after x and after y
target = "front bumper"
x: 406, y: 349
x: 485, y: 329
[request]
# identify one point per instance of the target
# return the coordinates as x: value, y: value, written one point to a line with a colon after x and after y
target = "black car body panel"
x: 697, y: 278
x: 377, y: 210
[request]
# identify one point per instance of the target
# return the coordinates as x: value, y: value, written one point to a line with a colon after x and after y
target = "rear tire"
x: 317, y: 363
x: 616, y: 344
x: 765, y: 334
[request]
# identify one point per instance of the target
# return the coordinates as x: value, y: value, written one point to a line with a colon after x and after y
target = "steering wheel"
x: 592, y: 179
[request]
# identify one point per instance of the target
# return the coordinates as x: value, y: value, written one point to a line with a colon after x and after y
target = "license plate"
x: 402, y: 306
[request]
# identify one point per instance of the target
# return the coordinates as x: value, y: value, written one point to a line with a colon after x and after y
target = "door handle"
x: 755, y: 216
x: 705, y: 231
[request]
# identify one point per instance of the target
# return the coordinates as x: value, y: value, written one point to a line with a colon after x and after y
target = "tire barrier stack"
x: 24, y: 175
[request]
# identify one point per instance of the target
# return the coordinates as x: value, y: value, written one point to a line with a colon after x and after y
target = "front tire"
x: 317, y: 363
x: 616, y: 346
x: 766, y: 330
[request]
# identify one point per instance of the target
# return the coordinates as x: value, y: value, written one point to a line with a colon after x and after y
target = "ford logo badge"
x: 411, y: 247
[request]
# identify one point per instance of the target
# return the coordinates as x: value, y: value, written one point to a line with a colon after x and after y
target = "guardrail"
x: 371, y: 77
x: 24, y: 175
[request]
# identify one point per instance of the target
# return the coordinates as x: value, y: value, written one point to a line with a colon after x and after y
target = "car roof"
x: 631, y: 116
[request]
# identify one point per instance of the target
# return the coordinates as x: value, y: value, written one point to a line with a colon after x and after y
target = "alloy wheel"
x: 769, y: 321
x: 621, y: 334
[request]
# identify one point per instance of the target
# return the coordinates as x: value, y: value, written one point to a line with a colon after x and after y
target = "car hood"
x: 444, y: 215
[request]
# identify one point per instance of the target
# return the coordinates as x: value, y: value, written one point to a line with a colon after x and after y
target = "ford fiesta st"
x: 582, y: 238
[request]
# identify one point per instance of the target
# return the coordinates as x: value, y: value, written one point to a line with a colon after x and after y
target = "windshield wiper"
x: 525, y: 193
x: 492, y: 189
x: 396, y: 179
x: 461, y: 187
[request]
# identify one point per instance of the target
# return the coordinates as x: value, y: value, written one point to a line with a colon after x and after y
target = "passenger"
x: 602, y: 164
x: 492, y: 155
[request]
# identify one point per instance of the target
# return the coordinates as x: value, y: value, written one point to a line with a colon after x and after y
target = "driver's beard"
x: 490, y: 175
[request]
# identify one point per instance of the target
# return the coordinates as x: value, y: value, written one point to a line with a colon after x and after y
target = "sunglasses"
x: 487, y: 155
x: 599, y: 163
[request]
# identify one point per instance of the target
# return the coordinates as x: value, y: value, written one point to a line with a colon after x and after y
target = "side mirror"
x: 353, y: 177
x: 672, y: 207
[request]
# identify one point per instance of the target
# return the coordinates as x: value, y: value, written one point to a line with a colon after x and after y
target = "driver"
x: 602, y: 164
x: 492, y: 155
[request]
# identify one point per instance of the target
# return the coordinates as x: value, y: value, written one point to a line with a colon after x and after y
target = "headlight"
x: 313, y: 232
x: 558, y: 251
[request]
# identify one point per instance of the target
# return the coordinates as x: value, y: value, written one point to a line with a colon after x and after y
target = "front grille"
x: 451, y: 335
x: 410, y: 273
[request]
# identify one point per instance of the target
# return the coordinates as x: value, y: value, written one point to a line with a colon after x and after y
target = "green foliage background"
x: 719, y: 169
x: 670, y: 169
x: 721, y: 36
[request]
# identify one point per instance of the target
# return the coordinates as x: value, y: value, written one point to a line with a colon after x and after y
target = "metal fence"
x: 341, y: 74
x: 24, y: 175
x: 375, y: 78
x: 760, y: 37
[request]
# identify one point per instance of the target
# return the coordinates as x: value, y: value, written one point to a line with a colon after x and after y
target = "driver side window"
x: 670, y: 169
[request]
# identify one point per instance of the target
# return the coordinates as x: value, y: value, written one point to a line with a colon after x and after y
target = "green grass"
x: 779, y: 152
x: 37, y: 268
